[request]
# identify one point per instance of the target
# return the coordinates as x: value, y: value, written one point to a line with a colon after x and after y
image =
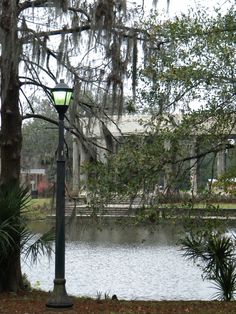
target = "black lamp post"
x: 61, y: 95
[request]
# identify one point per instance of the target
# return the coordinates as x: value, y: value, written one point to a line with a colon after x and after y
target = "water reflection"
x: 131, y: 262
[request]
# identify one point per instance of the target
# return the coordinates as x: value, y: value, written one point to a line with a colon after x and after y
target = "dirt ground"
x: 34, y: 303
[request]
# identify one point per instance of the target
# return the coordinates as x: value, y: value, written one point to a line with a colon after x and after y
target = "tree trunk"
x: 11, y: 277
x: 11, y: 137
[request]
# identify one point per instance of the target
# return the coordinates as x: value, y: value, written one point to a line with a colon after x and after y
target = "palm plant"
x: 6, y: 240
x: 34, y: 246
x: 225, y: 282
x: 216, y: 253
x: 14, y: 232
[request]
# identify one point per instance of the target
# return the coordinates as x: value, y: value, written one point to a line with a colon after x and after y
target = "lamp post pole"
x: 59, y: 298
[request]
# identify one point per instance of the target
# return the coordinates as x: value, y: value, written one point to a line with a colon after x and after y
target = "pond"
x: 132, y: 262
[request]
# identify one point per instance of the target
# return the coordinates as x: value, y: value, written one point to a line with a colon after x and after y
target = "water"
x: 133, y: 263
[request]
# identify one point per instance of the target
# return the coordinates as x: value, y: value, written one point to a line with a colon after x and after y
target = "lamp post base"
x: 59, y: 298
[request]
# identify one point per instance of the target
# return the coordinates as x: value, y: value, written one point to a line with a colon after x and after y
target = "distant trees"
x: 39, y: 145
x: 39, y: 139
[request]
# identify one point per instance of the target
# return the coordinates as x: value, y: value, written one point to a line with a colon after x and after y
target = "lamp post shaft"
x: 59, y: 297
x: 60, y: 206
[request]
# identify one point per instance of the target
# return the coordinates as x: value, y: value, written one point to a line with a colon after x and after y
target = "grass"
x: 38, y: 208
x: 221, y: 205
x: 216, y: 205
x: 40, y: 202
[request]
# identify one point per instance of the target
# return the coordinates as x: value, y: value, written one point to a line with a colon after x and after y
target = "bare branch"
x: 31, y: 4
x: 41, y: 3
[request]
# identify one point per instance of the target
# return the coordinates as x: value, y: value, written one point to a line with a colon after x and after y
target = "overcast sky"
x: 178, y: 6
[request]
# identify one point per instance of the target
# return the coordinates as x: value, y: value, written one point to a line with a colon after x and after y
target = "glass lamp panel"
x: 62, y: 98
x: 68, y: 98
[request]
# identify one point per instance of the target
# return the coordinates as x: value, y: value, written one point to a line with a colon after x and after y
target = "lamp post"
x: 61, y: 95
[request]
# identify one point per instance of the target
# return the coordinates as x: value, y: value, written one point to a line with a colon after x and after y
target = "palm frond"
x: 220, y: 251
x: 193, y: 247
x: 41, y: 246
x: 13, y: 199
x: 14, y: 231
x: 26, y: 237
x: 6, y: 240
x: 216, y: 253
x: 225, y: 282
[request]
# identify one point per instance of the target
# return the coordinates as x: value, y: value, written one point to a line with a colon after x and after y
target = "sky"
x: 178, y: 6
x: 182, y: 6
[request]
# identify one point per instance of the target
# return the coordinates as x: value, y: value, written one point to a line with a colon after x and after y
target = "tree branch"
x: 31, y: 4
x: 75, y: 131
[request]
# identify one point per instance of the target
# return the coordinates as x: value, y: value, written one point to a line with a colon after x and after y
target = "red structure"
x: 36, y: 180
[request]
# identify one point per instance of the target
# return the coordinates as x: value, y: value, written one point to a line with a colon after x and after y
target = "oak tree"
x: 91, y: 43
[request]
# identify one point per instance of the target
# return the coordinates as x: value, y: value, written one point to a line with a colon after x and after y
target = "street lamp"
x: 61, y: 95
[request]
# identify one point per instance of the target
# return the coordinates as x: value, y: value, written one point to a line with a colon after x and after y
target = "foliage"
x: 44, y: 134
x: 35, y: 246
x: 40, y: 138
x: 216, y: 253
x: 193, y: 78
x: 12, y: 200
x: 226, y: 183
x: 195, y: 62
x: 133, y: 169
x: 14, y: 232
x: 193, y: 66
x: 38, y: 209
x: 26, y: 283
x: 6, y: 240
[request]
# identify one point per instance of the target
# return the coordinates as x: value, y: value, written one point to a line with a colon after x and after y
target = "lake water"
x: 131, y: 262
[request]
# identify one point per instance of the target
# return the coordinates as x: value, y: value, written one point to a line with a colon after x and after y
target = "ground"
x: 34, y: 303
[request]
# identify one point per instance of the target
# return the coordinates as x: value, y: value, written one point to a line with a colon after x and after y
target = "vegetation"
x: 38, y: 209
x: 15, y: 235
x: 39, y: 145
x: 216, y: 254
x: 188, y: 88
x: 40, y: 131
